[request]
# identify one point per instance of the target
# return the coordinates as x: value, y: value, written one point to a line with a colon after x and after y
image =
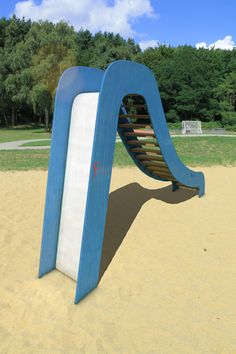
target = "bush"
x: 229, y: 118
x: 211, y: 125
x: 172, y: 116
x: 175, y: 126
x: 231, y: 128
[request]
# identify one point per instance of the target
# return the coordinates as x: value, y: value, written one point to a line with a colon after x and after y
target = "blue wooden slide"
x: 90, y: 106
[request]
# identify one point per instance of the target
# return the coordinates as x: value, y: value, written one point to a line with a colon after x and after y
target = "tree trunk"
x: 6, y: 121
x: 46, y: 120
x: 13, y: 116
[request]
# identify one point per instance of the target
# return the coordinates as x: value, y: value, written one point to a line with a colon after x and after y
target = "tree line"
x: 193, y: 83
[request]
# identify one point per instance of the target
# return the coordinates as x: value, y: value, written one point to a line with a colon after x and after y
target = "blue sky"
x: 147, y: 21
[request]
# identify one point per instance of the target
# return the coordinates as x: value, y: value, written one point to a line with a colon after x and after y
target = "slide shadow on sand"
x: 123, y: 207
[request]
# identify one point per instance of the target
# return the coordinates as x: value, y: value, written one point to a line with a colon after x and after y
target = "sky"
x: 200, y: 23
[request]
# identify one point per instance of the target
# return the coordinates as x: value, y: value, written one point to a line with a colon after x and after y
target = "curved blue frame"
x: 142, y: 82
x: 120, y: 79
x: 73, y: 81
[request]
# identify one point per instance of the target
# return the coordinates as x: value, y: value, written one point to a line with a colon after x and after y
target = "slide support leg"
x: 175, y: 187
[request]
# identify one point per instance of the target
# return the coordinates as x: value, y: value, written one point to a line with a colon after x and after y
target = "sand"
x: 170, y: 287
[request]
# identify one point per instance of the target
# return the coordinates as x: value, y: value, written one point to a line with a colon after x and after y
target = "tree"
x: 194, y: 83
x: 41, y: 101
x: 226, y: 95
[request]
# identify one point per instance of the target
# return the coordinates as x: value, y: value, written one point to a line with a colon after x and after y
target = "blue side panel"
x: 150, y: 92
x: 120, y: 79
x: 98, y: 192
x: 74, y: 81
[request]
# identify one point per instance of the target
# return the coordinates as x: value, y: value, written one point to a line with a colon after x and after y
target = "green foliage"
x: 194, y: 83
x: 33, y: 57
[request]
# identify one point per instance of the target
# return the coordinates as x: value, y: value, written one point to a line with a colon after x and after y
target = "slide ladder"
x: 136, y: 131
x: 141, y: 140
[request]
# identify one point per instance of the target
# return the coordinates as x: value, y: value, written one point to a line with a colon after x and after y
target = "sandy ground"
x: 170, y: 287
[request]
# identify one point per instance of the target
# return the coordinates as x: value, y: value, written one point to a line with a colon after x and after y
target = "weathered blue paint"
x: 74, y: 81
x: 120, y: 79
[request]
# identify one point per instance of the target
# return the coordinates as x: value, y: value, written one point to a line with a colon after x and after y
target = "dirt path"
x: 17, y: 145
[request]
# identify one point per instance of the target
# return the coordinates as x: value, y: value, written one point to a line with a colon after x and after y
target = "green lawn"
x: 195, y: 151
x: 21, y: 160
x: 206, y: 151
x: 7, y: 135
x: 38, y: 143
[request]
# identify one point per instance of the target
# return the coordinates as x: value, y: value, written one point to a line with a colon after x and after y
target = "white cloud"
x: 201, y: 45
x: 225, y: 43
x: 94, y: 15
x: 148, y: 44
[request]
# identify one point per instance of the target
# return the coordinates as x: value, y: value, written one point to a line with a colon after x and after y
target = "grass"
x: 38, y: 143
x: 121, y: 157
x: 195, y: 151
x: 205, y: 125
x: 206, y: 151
x: 23, y: 160
x: 7, y: 135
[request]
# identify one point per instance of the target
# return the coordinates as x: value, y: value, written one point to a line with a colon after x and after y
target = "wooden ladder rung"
x: 159, y: 169
x: 133, y: 125
x: 142, y: 142
x: 145, y: 131
x: 140, y: 134
x: 161, y: 173
x: 149, y: 158
x: 144, y: 150
x: 155, y: 164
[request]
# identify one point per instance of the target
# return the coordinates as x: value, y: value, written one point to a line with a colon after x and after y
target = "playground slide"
x: 91, y: 105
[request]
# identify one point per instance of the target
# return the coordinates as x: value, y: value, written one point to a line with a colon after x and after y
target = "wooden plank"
x: 144, y: 150
x: 155, y: 164
x: 140, y: 134
x: 167, y: 177
x: 142, y: 142
x: 159, y: 169
x: 162, y: 174
x: 145, y: 131
x: 149, y: 158
x: 133, y: 125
